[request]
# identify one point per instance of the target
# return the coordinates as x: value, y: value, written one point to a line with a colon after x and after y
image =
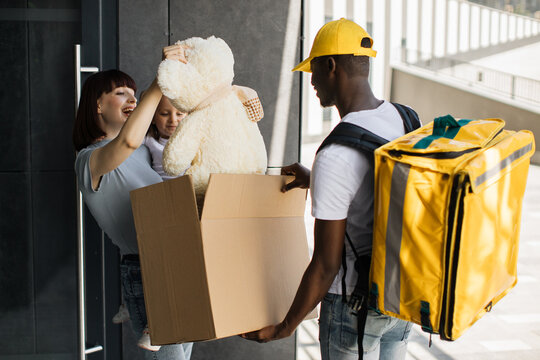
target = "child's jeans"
x: 385, y: 337
x: 132, y: 290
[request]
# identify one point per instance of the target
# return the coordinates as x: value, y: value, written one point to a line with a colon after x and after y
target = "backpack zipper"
x: 453, y: 242
x: 440, y: 155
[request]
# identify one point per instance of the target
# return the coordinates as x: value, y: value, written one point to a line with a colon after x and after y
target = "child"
x: 164, y: 123
x: 166, y: 119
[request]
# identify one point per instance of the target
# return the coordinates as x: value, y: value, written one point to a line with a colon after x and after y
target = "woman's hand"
x: 174, y: 52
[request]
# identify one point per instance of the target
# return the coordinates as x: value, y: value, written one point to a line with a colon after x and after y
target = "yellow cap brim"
x: 366, y: 52
x: 304, y: 65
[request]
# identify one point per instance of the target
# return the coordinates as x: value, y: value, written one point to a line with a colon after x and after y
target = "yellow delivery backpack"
x: 447, y: 208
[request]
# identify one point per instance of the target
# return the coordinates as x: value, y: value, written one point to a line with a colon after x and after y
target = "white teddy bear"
x: 217, y: 135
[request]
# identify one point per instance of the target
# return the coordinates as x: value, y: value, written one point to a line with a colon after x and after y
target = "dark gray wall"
x: 38, y: 285
x: 142, y: 32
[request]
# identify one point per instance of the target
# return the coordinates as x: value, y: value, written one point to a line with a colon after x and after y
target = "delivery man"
x: 341, y: 183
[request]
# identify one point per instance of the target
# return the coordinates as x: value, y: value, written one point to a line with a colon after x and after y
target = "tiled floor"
x: 510, y: 331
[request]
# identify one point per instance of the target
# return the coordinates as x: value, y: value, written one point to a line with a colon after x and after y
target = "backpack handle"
x: 441, y: 123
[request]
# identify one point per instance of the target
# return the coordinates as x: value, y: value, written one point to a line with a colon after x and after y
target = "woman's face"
x: 116, y: 106
x: 167, y: 118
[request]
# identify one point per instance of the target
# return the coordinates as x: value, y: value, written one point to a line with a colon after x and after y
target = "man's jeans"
x: 385, y: 337
x: 132, y: 291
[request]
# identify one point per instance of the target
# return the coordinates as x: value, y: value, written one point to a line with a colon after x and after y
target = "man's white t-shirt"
x: 342, y: 185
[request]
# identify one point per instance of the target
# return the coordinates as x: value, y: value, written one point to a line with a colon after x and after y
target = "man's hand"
x: 174, y: 52
x: 301, y: 177
x: 269, y: 333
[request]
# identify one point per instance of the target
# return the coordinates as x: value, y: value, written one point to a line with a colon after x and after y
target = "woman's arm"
x: 110, y: 156
x: 131, y: 136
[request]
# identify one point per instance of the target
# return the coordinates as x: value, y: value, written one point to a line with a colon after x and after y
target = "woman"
x: 108, y: 133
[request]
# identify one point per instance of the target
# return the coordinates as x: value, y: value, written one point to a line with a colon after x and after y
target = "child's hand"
x: 174, y: 52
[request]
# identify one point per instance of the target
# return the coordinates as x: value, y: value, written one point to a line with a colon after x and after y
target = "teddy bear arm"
x: 182, y: 146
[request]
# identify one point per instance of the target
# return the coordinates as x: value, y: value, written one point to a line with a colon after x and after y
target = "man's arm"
x: 315, y: 283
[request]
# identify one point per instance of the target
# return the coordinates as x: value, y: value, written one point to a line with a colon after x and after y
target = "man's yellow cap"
x: 338, y: 37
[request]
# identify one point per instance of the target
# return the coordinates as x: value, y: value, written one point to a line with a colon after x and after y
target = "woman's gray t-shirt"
x: 110, y: 204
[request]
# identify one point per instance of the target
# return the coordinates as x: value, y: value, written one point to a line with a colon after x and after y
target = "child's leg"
x: 134, y: 300
x: 146, y: 343
x: 122, y: 315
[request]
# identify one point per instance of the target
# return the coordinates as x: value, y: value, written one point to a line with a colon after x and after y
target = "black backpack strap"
x: 343, y: 285
x: 344, y: 265
x: 362, y: 266
x: 359, y: 138
x: 353, y: 136
x: 362, y: 318
x: 359, y: 297
x: 409, y: 116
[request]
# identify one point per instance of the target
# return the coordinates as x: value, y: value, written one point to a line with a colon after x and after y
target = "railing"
x: 446, y: 27
x: 509, y: 85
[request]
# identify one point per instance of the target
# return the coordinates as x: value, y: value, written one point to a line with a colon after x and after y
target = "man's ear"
x: 331, y: 64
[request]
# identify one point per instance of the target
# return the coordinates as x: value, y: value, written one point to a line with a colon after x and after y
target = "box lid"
x: 250, y: 195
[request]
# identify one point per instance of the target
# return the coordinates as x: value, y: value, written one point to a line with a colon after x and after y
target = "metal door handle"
x: 83, y: 350
x: 91, y: 350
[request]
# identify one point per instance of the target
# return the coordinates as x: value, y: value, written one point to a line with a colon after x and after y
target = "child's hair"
x: 153, y: 131
x: 86, y: 129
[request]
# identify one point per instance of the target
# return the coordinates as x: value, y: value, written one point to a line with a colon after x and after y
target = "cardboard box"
x: 234, y: 271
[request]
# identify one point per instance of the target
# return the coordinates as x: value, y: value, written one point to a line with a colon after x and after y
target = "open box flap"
x: 249, y: 195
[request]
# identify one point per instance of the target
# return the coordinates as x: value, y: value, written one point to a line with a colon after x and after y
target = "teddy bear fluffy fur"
x: 219, y: 137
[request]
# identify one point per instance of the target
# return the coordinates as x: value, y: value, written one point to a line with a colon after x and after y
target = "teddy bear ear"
x: 219, y: 43
x: 221, y: 51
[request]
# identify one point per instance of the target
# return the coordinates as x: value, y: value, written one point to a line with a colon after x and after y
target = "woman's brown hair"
x: 86, y: 129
